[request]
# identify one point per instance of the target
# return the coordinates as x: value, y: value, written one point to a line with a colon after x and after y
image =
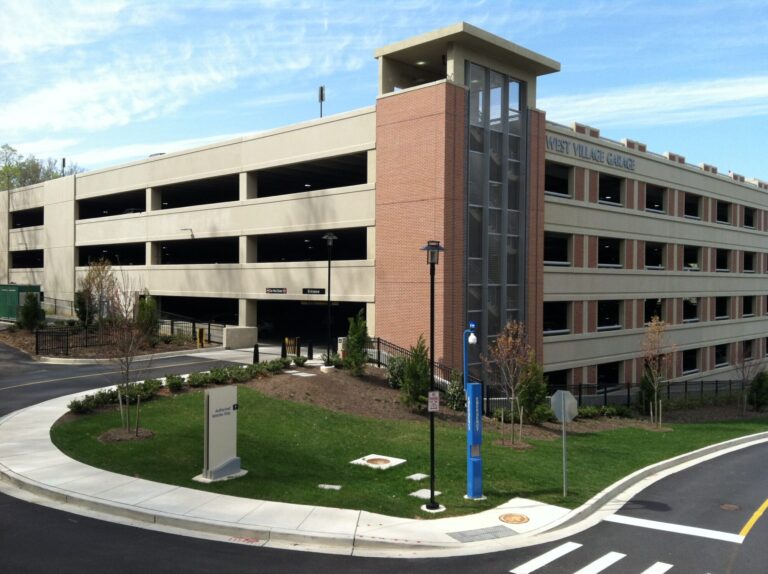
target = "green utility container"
x: 12, y: 298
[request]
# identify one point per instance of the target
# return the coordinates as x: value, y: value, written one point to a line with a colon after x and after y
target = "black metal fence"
x: 61, y: 340
x: 494, y: 396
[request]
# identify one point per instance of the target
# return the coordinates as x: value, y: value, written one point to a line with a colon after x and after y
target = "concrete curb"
x: 66, y: 361
x: 364, y: 544
x: 673, y: 465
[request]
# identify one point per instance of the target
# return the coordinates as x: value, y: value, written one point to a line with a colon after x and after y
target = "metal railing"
x: 588, y: 394
x: 58, y: 307
x: 61, y: 340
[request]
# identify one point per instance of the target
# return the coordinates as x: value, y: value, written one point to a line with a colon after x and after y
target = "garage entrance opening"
x: 308, y: 320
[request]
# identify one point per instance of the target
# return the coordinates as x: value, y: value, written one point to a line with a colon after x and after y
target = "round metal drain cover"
x: 514, y: 518
x: 378, y: 461
x: 730, y: 507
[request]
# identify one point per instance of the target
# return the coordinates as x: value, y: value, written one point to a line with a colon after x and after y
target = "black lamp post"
x: 433, y: 250
x: 329, y: 239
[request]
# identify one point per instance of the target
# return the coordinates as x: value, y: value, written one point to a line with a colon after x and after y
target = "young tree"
x: 509, y: 358
x: 30, y: 312
x: 657, y: 353
x: 98, y: 288
x: 415, y: 385
x: 129, y: 339
x: 357, y: 341
x: 748, y: 368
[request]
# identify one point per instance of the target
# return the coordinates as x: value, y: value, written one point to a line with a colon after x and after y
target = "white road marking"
x: 658, y: 568
x: 676, y: 528
x: 601, y: 563
x: 546, y: 558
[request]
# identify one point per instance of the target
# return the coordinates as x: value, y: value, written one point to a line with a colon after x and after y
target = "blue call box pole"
x: 474, y: 392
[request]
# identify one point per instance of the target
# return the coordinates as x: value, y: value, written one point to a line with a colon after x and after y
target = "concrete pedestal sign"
x: 220, y: 440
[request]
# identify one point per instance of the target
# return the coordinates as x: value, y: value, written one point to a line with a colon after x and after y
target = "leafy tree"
x: 30, y: 313
x: 18, y: 171
x: 357, y: 341
x: 415, y: 385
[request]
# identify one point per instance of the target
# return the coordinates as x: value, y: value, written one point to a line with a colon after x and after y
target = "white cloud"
x: 663, y: 104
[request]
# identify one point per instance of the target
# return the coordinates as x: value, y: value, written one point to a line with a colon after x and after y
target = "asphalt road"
x: 719, y: 497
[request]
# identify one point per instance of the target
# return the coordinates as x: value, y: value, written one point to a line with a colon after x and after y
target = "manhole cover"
x: 730, y: 507
x: 380, y: 461
x: 514, y: 518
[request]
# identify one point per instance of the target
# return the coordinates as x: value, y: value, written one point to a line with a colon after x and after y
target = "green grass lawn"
x: 289, y: 448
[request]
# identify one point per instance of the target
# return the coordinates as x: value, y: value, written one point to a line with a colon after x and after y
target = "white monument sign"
x: 220, y: 460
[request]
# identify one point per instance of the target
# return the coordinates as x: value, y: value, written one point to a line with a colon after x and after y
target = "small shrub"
x: 175, y: 383
x: 299, y: 361
x: 274, y: 366
x: 82, y: 406
x: 197, y: 380
x: 416, y: 376
x: 256, y: 371
x: 758, y: 391
x: 12, y: 328
x: 396, y: 369
x: 588, y: 412
x: 181, y: 339
x: 218, y: 376
x: 617, y: 411
x: 166, y: 339
x: 105, y: 397
x: 334, y: 360
x: 285, y: 362
x: 542, y: 413
x: 503, y: 415
x: 455, y: 397
x: 238, y: 374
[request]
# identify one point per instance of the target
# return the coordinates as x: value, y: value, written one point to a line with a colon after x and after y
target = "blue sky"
x: 103, y: 82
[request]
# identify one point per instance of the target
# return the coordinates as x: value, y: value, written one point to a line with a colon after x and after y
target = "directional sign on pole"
x: 566, y: 409
x: 433, y: 401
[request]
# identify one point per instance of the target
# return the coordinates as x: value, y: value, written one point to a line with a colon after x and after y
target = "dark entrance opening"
x: 202, y: 309
x: 308, y: 320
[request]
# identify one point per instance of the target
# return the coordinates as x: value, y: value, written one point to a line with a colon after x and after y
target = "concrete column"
x: 247, y: 313
x: 154, y: 202
x: 248, y: 186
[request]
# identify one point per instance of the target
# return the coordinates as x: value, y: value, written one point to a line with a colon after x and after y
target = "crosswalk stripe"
x: 676, y: 528
x: 658, y: 568
x: 546, y: 558
x: 601, y: 563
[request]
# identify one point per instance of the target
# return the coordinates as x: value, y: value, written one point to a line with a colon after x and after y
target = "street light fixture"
x: 329, y: 239
x: 433, y: 250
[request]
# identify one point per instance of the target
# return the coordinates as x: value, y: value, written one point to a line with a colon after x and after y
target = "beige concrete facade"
x: 583, y: 282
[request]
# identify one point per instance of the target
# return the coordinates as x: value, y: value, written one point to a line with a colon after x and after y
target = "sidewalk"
x: 29, y: 461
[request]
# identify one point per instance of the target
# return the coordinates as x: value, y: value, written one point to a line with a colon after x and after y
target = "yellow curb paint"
x: 755, y: 517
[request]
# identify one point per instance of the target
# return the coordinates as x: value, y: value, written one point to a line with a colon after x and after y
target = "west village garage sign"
x: 590, y: 153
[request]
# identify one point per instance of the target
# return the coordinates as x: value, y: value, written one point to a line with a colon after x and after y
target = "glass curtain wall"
x: 496, y: 205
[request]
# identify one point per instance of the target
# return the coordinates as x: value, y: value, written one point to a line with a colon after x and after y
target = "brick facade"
x: 420, y: 196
